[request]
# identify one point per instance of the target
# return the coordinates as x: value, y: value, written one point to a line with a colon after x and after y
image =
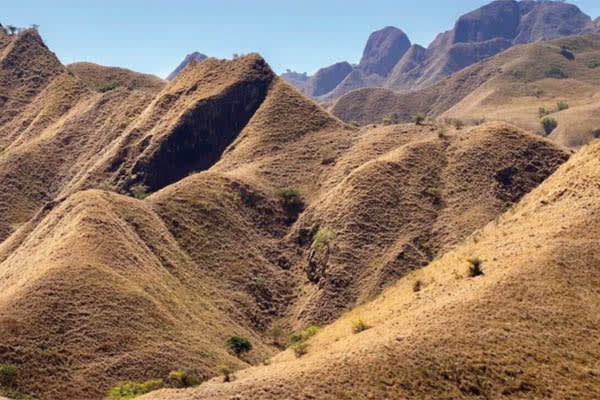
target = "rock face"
x: 383, y: 50
x: 326, y: 79
x: 189, y: 58
x: 390, y: 61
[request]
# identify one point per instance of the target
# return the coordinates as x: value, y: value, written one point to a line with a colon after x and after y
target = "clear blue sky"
x: 153, y: 36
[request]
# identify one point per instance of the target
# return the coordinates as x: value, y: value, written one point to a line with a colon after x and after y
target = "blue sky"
x: 153, y: 36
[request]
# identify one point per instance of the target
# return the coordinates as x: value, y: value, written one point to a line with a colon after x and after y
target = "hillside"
x: 389, y: 60
x: 456, y: 337
x: 512, y: 86
x: 145, y: 224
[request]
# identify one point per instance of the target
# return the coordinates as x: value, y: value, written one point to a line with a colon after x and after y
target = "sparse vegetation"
x: 542, y: 112
x: 594, y: 63
x: 417, y: 286
x: 475, y: 264
x: 457, y: 123
x: 125, y: 123
x: 182, y: 379
x: 562, y: 105
x: 390, y: 119
x: 418, y: 118
x: 298, y: 340
x: 323, y: 238
x: 131, y: 390
x: 556, y: 72
x: 359, y: 325
x: 276, y: 333
x: 291, y: 200
x: 8, y: 374
x: 140, y: 191
x: 300, y: 348
x: 238, y: 345
x: 108, y: 87
x: 596, y: 133
x: 435, y: 193
x: 548, y: 124
x: 225, y: 371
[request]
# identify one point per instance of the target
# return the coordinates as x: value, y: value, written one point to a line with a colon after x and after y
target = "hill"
x: 455, y: 337
x: 511, y: 86
x: 477, y: 35
x: 195, y: 56
x: 145, y: 225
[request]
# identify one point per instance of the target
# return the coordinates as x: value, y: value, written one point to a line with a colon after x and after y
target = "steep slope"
x: 457, y: 336
x: 475, y: 36
x: 97, y: 77
x: 195, y: 56
x: 97, y: 287
x: 512, y: 86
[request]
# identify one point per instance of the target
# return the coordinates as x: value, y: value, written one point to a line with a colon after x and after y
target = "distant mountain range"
x: 195, y: 56
x: 391, y: 61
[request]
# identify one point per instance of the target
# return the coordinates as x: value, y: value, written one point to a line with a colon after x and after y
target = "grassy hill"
x: 511, y: 87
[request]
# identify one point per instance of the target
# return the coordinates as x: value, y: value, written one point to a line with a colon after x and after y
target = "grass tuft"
x: 131, y: 390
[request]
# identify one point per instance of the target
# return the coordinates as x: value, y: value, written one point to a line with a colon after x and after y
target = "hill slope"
x: 511, y: 86
x: 456, y: 337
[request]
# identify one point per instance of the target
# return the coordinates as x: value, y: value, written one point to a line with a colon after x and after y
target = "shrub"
x: 108, y: 87
x: 291, y: 198
x: 323, y: 237
x: 359, y: 325
x: 596, y: 133
x: 131, y: 390
x: 458, y: 124
x: 300, y: 349
x: 304, y: 335
x: 555, y: 72
x: 593, y: 64
x: 182, y: 379
x: 417, y: 286
x: 562, y: 105
x: 276, y: 333
x: 475, y: 264
x: 239, y: 345
x: 542, y: 112
x: 8, y: 373
x: 225, y: 371
x: 390, y: 119
x: 435, y: 193
x: 418, y: 118
x: 548, y: 124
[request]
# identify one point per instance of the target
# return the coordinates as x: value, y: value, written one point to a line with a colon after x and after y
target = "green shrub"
x: 131, y: 390
x: 108, y: 87
x: 435, y: 193
x: 323, y: 237
x: 475, y: 264
x: 548, y: 124
x: 596, y: 133
x: 390, y: 119
x: 225, y: 371
x: 300, y: 348
x: 418, y: 118
x: 8, y: 374
x: 182, y: 379
x: 291, y: 198
x: 542, y: 112
x: 276, y: 333
x: 359, y: 325
x: 238, y: 345
x: 304, y: 335
x: 562, y: 105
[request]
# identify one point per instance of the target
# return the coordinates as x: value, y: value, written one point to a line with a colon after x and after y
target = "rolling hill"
x: 511, y: 86
x: 147, y: 221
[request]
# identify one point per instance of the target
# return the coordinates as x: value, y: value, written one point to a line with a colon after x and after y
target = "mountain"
x: 145, y: 222
x: 477, y: 35
x: 511, y: 86
x: 195, y: 56
x: 444, y: 333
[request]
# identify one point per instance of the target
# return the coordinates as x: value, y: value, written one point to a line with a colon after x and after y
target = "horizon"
x: 288, y: 36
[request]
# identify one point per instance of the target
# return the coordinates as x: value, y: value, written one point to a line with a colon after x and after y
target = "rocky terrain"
x: 387, y: 61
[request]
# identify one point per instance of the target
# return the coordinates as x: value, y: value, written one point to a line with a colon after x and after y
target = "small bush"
x: 323, y: 237
x: 225, y: 371
x: 182, y: 379
x: 300, y: 349
x: 8, y: 374
x: 276, y: 333
x: 596, y: 133
x: 435, y: 193
x: 108, y: 87
x: 593, y: 64
x: 475, y: 264
x: 358, y: 326
x: 548, y: 124
x: 417, y: 286
x: 562, y: 105
x: 390, y: 119
x: 555, y: 72
x: 131, y: 390
x: 238, y: 345
x: 457, y: 123
x: 542, y: 112
x: 304, y: 335
x: 291, y: 198
x: 418, y: 118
